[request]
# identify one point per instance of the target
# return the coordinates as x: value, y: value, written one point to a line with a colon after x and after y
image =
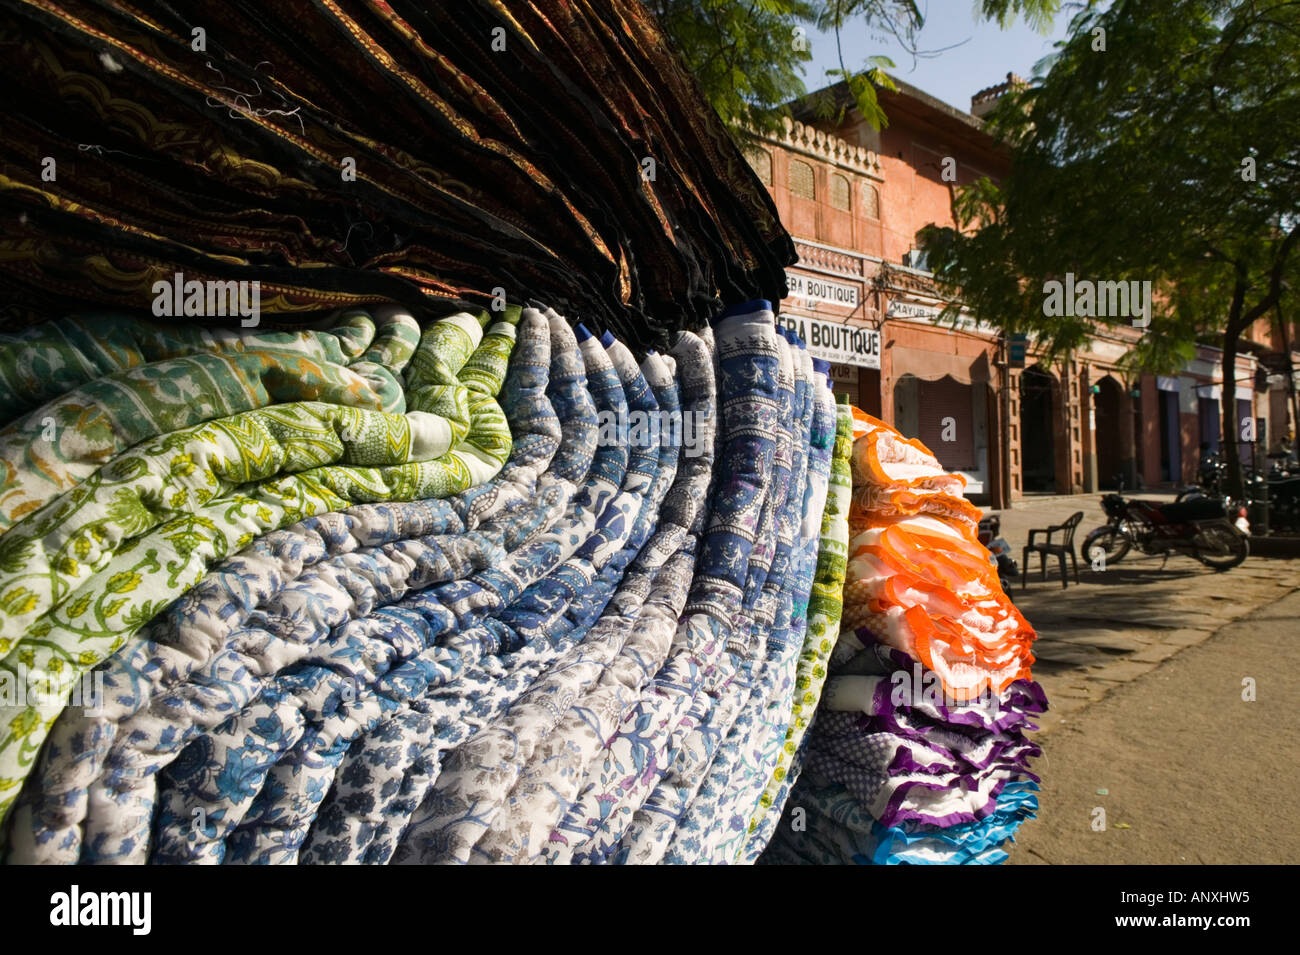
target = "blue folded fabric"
x: 748, y: 362
x: 831, y: 828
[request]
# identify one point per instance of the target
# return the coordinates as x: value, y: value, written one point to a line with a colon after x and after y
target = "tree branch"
x: 1274, y: 294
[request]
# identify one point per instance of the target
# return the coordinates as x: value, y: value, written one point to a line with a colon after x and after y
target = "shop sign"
x: 836, y: 342
x: 846, y: 373
x: 813, y: 288
x: 899, y: 309
x: 1019, y: 346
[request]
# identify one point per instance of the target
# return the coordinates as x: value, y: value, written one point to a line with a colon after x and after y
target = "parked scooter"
x: 990, y: 530
x: 1198, y: 526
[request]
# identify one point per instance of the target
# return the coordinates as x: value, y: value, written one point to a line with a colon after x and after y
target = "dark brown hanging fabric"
x: 555, y: 150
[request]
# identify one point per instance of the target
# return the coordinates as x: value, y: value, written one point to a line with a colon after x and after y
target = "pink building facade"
x: 855, y: 199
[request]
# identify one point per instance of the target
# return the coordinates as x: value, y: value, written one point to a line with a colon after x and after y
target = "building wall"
x: 854, y: 203
x: 915, y: 192
x: 890, y: 199
x: 809, y: 203
x: 1149, y: 434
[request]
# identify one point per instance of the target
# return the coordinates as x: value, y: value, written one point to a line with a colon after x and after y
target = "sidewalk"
x: 1119, y: 624
x: 1053, y: 509
x: 1185, y: 769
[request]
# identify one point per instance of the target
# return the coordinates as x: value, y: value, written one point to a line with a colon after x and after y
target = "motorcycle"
x: 1198, y: 526
x: 999, y: 550
x: 1284, y: 504
x: 1283, y: 493
x: 1278, y: 491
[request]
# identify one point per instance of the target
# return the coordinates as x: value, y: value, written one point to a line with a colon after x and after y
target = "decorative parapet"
x: 830, y: 260
x: 902, y: 279
x: 984, y: 101
x: 817, y: 143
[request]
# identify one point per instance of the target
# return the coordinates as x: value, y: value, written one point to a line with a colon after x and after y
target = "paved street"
x: 1185, y: 769
x: 1143, y: 667
x: 1121, y: 623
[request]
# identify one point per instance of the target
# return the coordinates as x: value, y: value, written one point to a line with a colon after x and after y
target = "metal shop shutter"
x: 941, y: 400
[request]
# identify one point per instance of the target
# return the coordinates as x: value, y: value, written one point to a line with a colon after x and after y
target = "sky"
x: 968, y: 55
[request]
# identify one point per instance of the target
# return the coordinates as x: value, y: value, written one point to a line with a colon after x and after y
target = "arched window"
x: 870, y: 201
x: 839, y: 192
x: 761, y: 160
x: 801, y: 179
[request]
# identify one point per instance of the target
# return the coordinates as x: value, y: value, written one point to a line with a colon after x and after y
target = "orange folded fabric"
x: 918, y: 578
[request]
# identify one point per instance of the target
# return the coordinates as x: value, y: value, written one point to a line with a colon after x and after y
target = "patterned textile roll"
x: 702, y: 757
x: 477, y: 776
x: 919, y: 752
x: 923, y: 583
x: 62, y: 442
x: 636, y: 630
x: 833, y: 829
x: 651, y: 730
x: 916, y: 762
x: 58, y: 356
x: 644, y: 836
x: 100, y: 560
x: 354, y: 154
x: 319, y: 573
x: 363, y: 823
x: 748, y: 760
x: 823, y: 629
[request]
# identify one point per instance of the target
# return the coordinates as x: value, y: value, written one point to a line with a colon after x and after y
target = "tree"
x: 749, y: 55
x: 1161, y: 145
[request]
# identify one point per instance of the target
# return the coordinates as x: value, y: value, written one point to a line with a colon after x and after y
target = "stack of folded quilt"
x: 483, y: 589
x: 154, y: 454
x: 670, y: 754
x: 919, y: 753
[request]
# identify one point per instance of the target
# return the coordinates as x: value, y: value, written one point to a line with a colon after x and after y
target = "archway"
x: 1108, y: 403
x: 1037, y: 430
